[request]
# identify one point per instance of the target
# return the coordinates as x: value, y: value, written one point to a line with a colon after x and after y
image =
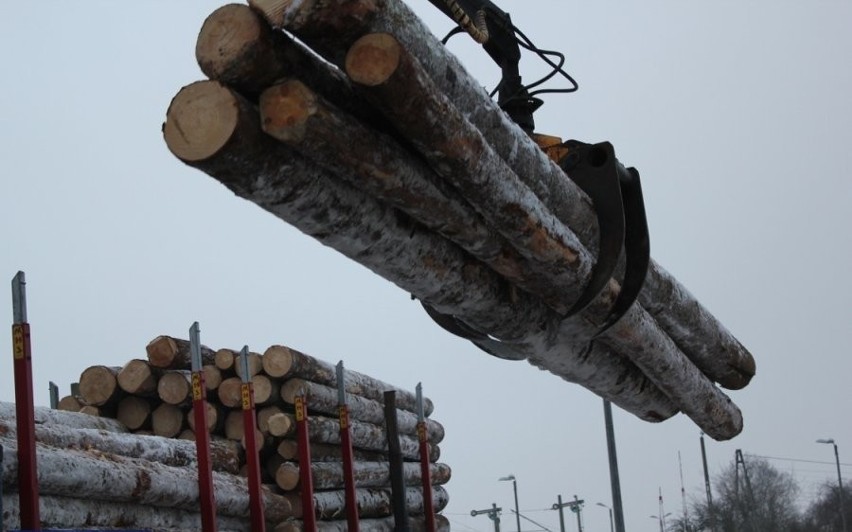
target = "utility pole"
x: 618, y: 511
x: 707, y: 487
x: 493, y: 514
x: 683, y: 493
x: 576, y: 506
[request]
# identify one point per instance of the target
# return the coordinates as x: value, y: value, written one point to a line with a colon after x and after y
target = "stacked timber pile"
x: 366, y: 134
x: 140, y: 469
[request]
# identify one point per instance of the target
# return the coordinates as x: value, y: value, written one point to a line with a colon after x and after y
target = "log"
x: 234, y: 429
x: 167, y: 420
x: 212, y: 378
x: 225, y: 456
x: 321, y: 398
x: 134, y: 412
x: 285, y: 362
x: 219, y: 133
x: 215, y: 417
x: 265, y: 389
x: 325, y: 452
x: 70, y: 403
x: 329, y: 475
x: 371, y: 502
x: 91, y: 514
x: 166, y: 352
x: 330, y: 28
x: 393, y: 80
x: 175, y: 387
x: 382, y: 524
x: 255, y: 365
x: 89, y: 474
x: 98, y: 385
x: 224, y: 359
x: 137, y: 377
x: 280, y: 424
x: 51, y: 417
x: 230, y: 392
x: 263, y: 416
x: 364, y: 436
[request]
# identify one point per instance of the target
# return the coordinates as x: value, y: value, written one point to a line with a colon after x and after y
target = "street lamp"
x: 839, y: 480
x: 515, y: 488
x: 662, y: 520
x: 611, y: 525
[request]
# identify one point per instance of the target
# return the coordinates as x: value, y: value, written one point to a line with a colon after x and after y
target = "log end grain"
x: 136, y: 377
x: 174, y: 388
x: 161, y: 351
x: 201, y: 119
x: 287, y: 476
x: 280, y: 424
x: 278, y: 361
x: 373, y: 59
x: 98, y: 384
x: 134, y: 412
x: 272, y: 10
x: 224, y: 359
x: 285, y: 108
x: 225, y: 39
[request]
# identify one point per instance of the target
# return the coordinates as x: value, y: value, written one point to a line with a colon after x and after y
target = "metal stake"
x: 258, y: 522
x: 202, y: 438
x: 348, y: 459
x: 24, y: 408
x: 426, y: 479
x: 53, y: 389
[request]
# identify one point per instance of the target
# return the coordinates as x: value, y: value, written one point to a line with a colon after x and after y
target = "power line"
x: 800, y: 460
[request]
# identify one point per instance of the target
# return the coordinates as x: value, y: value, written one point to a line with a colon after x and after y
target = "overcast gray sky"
x: 737, y: 115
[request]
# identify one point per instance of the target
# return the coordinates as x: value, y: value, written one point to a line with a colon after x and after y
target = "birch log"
x: 329, y: 475
x: 364, y: 436
x: 330, y: 28
x: 173, y: 353
x: 92, y: 514
x: 371, y: 502
x: 285, y: 362
x: 50, y: 417
x: 396, y: 83
x: 324, y: 399
x: 90, y: 474
x: 219, y: 133
x: 325, y: 452
x: 137, y: 377
x: 99, y: 386
x: 225, y: 456
x: 382, y: 524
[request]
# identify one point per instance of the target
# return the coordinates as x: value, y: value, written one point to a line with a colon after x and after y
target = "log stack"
x: 142, y: 465
x: 368, y: 135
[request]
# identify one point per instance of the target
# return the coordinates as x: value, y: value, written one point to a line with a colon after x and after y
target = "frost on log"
x: 373, y: 139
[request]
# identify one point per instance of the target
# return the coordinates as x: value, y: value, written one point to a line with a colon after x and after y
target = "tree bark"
x: 324, y: 399
x: 234, y: 151
x: 49, y: 417
x: 166, y: 352
x: 396, y: 83
x: 364, y: 436
x: 109, y: 477
x: 225, y: 456
x: 330, y: 28
x: 329, y: 475
x: 326, y: 452
x: 371, y: 502
x: 93, y: 514
x: 98, y: 385
x: 284, y: 362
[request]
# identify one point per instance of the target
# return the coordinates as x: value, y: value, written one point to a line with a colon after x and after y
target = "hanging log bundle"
x: 407, y: 166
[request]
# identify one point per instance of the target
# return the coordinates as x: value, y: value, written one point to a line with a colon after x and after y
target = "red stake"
x: 258, y: 522
x: 351, y: 503
x: 426, y: 479
x: 306, y: 482
x: 24, y: 409
x: 202, y: 438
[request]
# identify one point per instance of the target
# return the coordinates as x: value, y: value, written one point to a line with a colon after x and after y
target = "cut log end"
x: 277, y: 361
x: 272, y: 10
x: 373, y: 59
x: 284, y: 109
x: 201, y: 119
x: 226, y: 34
x: 98, y: 385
